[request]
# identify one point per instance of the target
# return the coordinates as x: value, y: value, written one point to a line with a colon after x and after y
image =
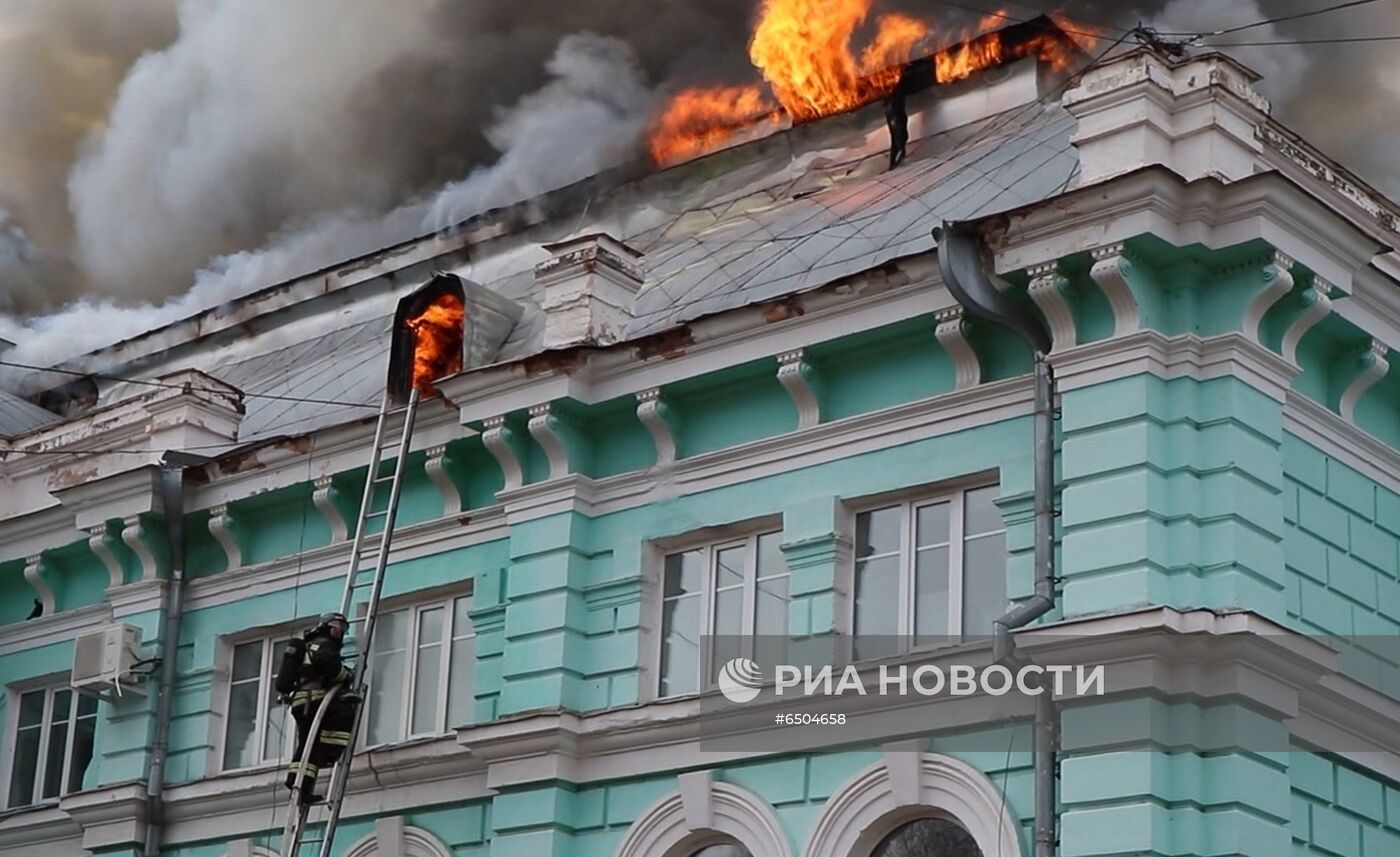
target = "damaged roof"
x: 18, y: 416
x: 784, y: 214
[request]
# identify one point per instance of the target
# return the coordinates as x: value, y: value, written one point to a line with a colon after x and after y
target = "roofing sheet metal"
x: 18, y: 416
x: 735, y: 234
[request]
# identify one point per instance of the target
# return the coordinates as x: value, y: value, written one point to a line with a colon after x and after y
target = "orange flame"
x: 437, y: 341
x: 803, y: 50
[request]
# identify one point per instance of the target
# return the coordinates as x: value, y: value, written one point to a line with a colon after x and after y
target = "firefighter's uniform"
x: 309, y: 671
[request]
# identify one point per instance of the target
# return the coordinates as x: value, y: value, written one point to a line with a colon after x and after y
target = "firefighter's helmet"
x: 334, y: 623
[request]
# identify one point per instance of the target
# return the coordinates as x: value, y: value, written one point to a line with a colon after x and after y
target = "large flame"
x: 437, y: 341
x: 803, y: 50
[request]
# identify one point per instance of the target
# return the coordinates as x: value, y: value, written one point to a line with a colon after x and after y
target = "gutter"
x: 172, y: 482
x: 960, y: 261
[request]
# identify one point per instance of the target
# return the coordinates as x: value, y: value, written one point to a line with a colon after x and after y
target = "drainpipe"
x: 960, y: 261
x: 172, y: 483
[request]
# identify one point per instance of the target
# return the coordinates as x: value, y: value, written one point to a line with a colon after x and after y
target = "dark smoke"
x: 233, y: 143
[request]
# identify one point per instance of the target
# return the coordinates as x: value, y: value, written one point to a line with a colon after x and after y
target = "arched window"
x: 722, y: 849
x: 928, y: 837
x: 705, y: 818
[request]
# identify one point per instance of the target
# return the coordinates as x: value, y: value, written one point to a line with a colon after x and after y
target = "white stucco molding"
x: 221, y: 528
x: 1110, y: 271
x: 1046, y: 288
x: 701, y: 809
x: 1374, y: 367
x: 322, y: 498
x: 134, y: 535
x: 442, y: 480
x: 905, y: 786
x: 34, y: 573
x: 392, y: 838
x: 1354, y: 447
x: 101, y: 547
x: 659, y: 420
x: 798, y: 377
x: 1277, y: 275
x: 951, y: 334
x: 246, y: 848
x: 494, y: 437
x: 1319, y: 305
x: 545, y: 429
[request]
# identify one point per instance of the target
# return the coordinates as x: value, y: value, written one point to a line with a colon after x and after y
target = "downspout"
x: 172, y: 483
x: 960, y: 261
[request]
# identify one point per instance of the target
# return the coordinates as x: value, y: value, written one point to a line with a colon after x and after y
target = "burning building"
x: 683, y: 416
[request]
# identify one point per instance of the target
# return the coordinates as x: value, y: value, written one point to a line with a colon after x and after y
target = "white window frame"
x: 746, y: 537
x: 267, y: 678
x: 416, y: 607
x: 50, y: 688
x: 909, y: 503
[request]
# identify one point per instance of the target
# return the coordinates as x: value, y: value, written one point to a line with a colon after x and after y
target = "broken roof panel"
x: 18, y: 416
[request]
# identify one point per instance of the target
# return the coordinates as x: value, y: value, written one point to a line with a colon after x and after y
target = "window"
x: 258, y: 728
x: 932, y: 836
x: 52, y: 746
x: 421, y: 671
x: 723, y: 595
x: 722, y: 849
x: 928, y: 569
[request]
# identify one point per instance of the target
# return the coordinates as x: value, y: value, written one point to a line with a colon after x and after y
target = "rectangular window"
x: 928, y: 569
x: 52, y: 744
x: 257, y: 729
x: 420, y: 671
x: 724, y: 593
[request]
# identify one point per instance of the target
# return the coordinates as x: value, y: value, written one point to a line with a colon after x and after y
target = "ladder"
x: 369, y: 554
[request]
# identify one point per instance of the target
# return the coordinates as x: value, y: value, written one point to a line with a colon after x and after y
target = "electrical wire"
x: 1325, y: 40
x: 1278, y: 20
x: 186, y: 387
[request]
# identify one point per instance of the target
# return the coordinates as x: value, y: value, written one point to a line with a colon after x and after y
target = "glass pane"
x: 87, y: 706
x: 877, y: 596
x: 247, y: 661
x: 53, y: 767
x: 386, y: 693
x: 461, y: 617
x: 277, y: 737
x: 981, y: 514
x: 770, y: 555
x: 730, y: 564
x: 729, y: 612
x: 84, y: 732
x: 984, y: 582
x: 430, y: 626
x: 928, y: 836
x: 772, y: 607
x: 391, y: 632
x: 239, y: 749
x: 877, y: 532
x: 26, y: 764
x: 459, y: 681
x: 723, y: 849
x: 685, y: 572
x: 931, y: 592
x: 31, y: 708
x: 680, y: 646
x: 426, y: 678
x: 931, y: 525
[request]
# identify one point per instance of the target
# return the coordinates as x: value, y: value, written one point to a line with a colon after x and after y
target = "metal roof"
x: 18, y: 416
x: 777, y: 216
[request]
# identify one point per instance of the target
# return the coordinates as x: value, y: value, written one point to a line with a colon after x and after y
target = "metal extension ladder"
x: 369, y: 554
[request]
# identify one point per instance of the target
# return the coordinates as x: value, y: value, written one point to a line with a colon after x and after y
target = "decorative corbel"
x: 798, y: 377
x: 658, y: 419
x: 437, y: 472
x: 1319, y: 305
x: 323, y: 498
x: 1278, y: 281
x: 951, y: 334
x: 544, y: 428
x: 221, y: 528
x: 1374, y: 368
x: 1110, y: 271
x: 495, y: 436
x: 134, y: 535
x: 33, y: 572
x: 102, y: 549
x: 1047, y: 290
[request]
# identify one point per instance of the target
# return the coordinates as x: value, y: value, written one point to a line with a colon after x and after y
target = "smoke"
x: 164, y: 156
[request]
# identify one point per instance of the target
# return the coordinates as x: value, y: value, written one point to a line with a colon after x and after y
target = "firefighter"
x: 310, y: 667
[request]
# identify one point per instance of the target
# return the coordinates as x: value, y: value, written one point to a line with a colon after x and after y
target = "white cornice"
x: 1181, y: 356
x: 54, y: 628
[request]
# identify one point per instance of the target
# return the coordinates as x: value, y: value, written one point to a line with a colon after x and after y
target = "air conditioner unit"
x: 105, y: 656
